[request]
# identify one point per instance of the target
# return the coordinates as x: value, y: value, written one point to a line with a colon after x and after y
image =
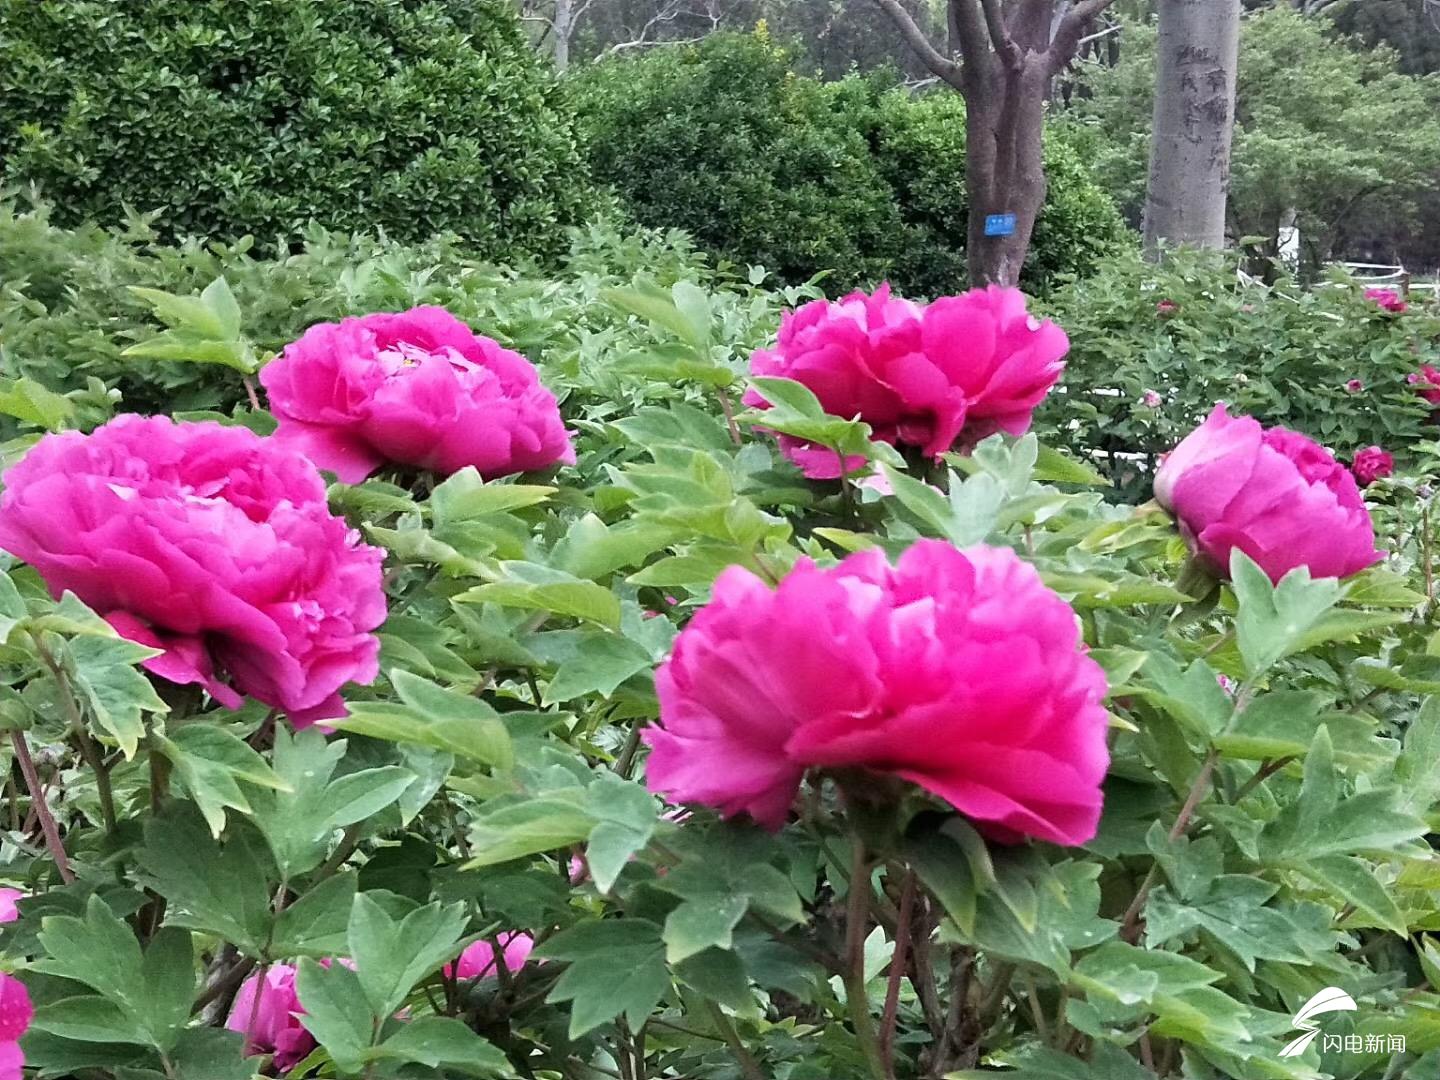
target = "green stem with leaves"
x: 856, y: 1000
x: 42, y: 811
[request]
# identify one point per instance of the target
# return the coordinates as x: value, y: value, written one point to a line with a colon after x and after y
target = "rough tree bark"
x: 1197, y: 54
x: 1009, y: 51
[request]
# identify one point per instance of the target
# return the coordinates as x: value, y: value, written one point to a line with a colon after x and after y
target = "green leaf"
x: 457, y: 723
x: 1053, y: 467
x: 651, y: 302
x: 115, y: 692
x: 299, y: 822
x: 599, y: 664
x: 591, y: 549
x: 1282, y: 724
x: 27, y: 400
x: 539, y: 588
x: 336, y: 1012
x: 443, y: 1042
x: 465, y: 496
x: 218, y: 890
x: 1273, y: 621
x: 1417, y: 770
x: 1356, y: 883
x: 625, y: 816
x: 317, y: 923
x: 719, y: 975
x: 210, y: 762
x: 89, y: 1019
x: 526, y: 828
x: 169, y: 984
x: 616, y: 966
x: 392, y: 956
x: 697, y: 925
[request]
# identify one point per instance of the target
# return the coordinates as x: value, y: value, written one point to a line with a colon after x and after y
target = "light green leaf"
x: 115, y: 692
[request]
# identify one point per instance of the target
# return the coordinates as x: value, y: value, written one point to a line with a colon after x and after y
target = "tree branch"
x: 1071, y: 29
x: 941, y: 65
x: 1004, y: 45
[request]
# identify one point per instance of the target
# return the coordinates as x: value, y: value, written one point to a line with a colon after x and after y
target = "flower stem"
x: 898, y: 964
x: 856, y: 1000
x: 749, y: 1067
x: 42, y: 811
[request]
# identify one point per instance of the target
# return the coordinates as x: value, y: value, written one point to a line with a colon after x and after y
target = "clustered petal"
x: 1277, y: 496
x: 956, y: 670
x: 267, y: 1008
x: 417, y: 388
x: 16, y: 1012
x: 1387, y: 300
x: 1371, y: 464
x: 478, y: 959
x: 211, y: 544
x: 930, y: 377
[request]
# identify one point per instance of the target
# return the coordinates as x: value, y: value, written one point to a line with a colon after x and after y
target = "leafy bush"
x: 1268, y: 810
x: 764, y: 166
x: 1192, y: 332
x: 260, y: 118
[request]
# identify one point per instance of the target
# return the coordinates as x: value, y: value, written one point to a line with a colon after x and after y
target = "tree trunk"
x: 562, y: 29
x: 1197, y: 51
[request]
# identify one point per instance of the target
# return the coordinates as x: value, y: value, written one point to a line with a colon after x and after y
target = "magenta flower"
x: 1166, y: 308
x: 1426, y: 382
x: 417, y: 388
x: 1150, y: 399
x: 1371, y: 464
x: 273, y: 1021
x: 963, y: 368
x: 211, y: 544
x: 1274, y: 494
x: 8, y: 899
x: 1386, y: 299
x: 16, y: 1012
x: 956, y: 670
x: 478, y: 959
x: 1354, y: 386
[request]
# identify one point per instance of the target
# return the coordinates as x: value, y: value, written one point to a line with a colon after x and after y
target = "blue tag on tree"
x: 1000, y: 225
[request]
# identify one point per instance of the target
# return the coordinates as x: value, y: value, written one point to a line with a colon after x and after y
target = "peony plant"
x: 695, y: 757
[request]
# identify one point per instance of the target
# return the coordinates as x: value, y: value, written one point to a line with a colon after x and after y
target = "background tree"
x: 1197, y: 48
x: 1009, y: 53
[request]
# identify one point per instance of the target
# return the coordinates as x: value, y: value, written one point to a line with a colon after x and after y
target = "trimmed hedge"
x: 262, y: 117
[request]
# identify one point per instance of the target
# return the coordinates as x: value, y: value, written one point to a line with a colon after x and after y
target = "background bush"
x: 1280, y: 353
x: 762, y: 165
x: 258, y: 118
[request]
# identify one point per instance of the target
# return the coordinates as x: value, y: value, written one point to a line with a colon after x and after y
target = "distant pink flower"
x: 928, y: 377
x: 478, y: 959
x: 16, y: 1012
x: 211, y: 544
x: 1166, y: 308
x: 1354, y: 386
x: 8, y: 899
x: 1387, y: 299
x: 956, y: 670
x: 415, y: 388
x: 1227, y: 684
x: 1274, y: 494
x: 276, y: 1027
x: 1426, y: 382
x: 1371, y: 464
x: 1151, y: 400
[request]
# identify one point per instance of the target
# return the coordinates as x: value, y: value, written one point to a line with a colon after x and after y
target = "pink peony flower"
x: 956, y: 670
x: 1354, y: 386
x: 1426, y: 382
x: 963, y: 368
x: 1386, y: 299
x: 1371, y: 464
x: 210, y: 543
x: 1166, y: 308
x: 16, y: 1012
x: 415, y: 388
x: 1274, y: 494
x: 1151, y: 400
x: 8, y: 899
x: 478, y: 959
x: 276, y: 1027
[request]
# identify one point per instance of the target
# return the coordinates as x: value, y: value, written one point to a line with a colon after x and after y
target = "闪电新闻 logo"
x: 1331, y: 999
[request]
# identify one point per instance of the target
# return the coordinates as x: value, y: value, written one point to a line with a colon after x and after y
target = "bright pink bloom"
x: 415, y: 388
x: 1354, y: 386
x: 8, y: 898
x: 963, y: 368
x: 16, y: 1012
x: 1387, y: 299
x: 1372, y: 464
x: 276, y: 1028
x: 1166, y: 308
x: 210, y: 543
x: 1426, y: 382
x: 478, y: 959
x: 1151, y: 399
x: 957, y: 670
x: 1274, y: 494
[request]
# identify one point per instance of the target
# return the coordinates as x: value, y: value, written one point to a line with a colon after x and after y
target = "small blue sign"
x: 1000, y: 225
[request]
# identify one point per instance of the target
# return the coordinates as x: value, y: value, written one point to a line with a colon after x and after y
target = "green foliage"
x: 1332, y: 132
x: 1280, y: 353
x: 765, y: 166
x: 263, y: 117
x: 1263, y: 838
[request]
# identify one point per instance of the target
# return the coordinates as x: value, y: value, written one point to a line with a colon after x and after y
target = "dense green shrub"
x: 762, y: 165
x: 260, y: 117
x: 1280, y: 353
